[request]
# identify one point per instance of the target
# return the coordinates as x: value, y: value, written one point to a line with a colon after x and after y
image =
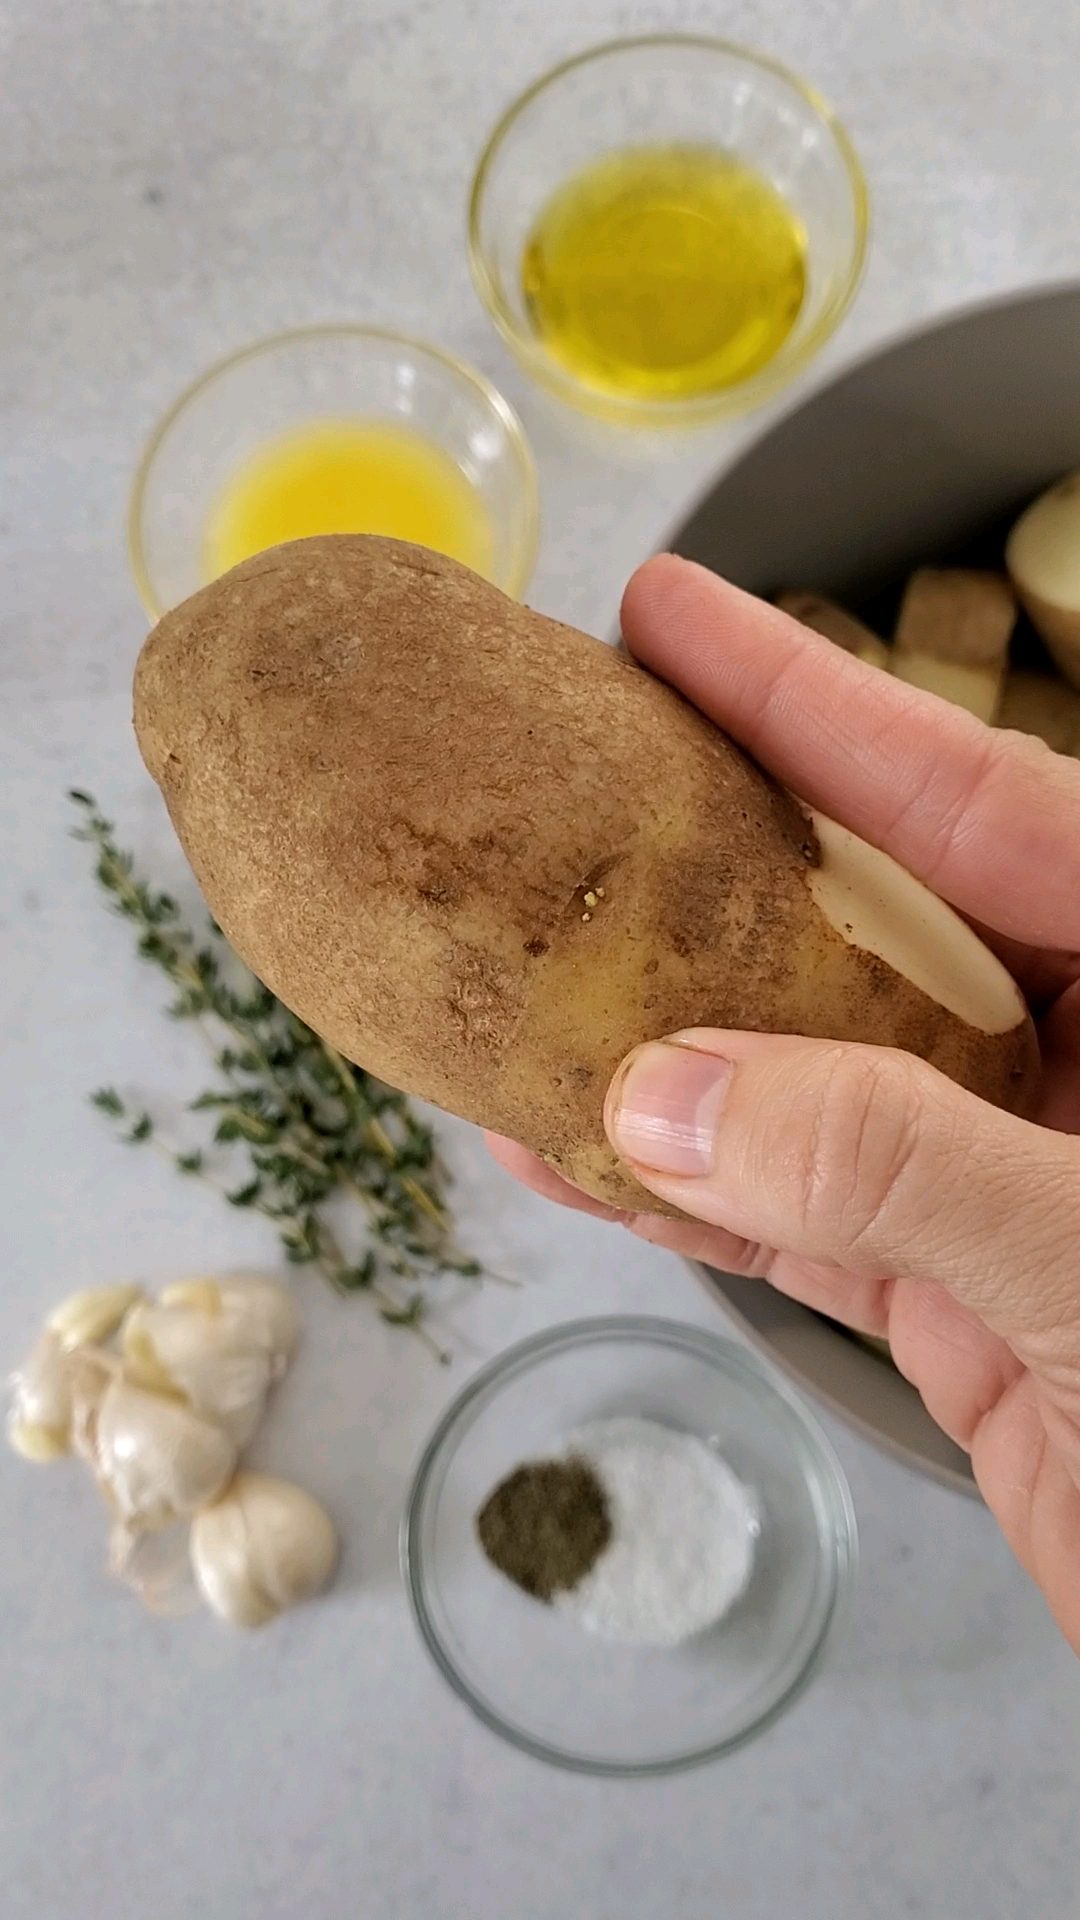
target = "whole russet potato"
x: 484, y: 856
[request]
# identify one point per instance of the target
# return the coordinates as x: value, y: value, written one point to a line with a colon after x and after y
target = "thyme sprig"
x: 307, y: 1127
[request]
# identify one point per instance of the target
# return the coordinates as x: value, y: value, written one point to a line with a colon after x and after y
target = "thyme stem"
x: 306, y: 1125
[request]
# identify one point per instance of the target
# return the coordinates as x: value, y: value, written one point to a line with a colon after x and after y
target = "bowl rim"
x: 491, y: 396
x: 718, y: 1284
x: 745, y: 395
x: 726, y: 1356
x: 912, y: 332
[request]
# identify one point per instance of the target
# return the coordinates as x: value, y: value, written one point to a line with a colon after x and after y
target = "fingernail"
x: 666, y: 1107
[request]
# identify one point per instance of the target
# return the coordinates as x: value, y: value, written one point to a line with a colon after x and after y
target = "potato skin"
x: 397, y: 788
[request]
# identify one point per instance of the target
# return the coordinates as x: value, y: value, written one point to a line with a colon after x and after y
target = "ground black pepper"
x: 545, y: 1525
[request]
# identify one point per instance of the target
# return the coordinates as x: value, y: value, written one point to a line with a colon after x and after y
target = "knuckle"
x: 858, y: 1148
x: 952, y: 798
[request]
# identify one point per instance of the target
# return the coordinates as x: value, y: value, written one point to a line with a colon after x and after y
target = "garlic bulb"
x: 264, y: 1546
x: 218, y: 1344
x: 154, y: 1459
x: 157, y: 1398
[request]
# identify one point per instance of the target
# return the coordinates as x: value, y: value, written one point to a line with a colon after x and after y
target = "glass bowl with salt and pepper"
x: 627, y: 1546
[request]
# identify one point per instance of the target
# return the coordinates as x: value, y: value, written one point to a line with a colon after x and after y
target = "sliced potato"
x: 952, y: 637
x: 1043, y: 557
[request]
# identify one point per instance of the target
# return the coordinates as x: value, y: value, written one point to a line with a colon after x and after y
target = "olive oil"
x: 665, y: 272
x: 348, y: 476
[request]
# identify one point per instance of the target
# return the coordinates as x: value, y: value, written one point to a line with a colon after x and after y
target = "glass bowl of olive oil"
x: 667, y: 229
x: 332, y: 429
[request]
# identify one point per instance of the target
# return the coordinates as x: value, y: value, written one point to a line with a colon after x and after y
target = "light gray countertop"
x: 178, y: 179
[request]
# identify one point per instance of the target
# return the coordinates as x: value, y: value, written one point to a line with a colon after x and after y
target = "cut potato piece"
x: 1043, y: 557
x: 1036, y: 703
x: 952, y: 637
x: 836, y: 624
x: 877, y: 906
x: 485, y: 856
x: 974, y: 688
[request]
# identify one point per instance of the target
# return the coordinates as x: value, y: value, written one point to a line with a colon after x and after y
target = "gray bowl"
x: 924, y: 452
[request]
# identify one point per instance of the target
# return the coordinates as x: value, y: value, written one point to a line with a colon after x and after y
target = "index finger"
x: 990, y: 820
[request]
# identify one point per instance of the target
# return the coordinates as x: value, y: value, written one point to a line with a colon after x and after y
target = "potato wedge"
x: 952, y: 637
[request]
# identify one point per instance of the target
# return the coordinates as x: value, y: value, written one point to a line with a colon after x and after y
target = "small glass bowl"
x: 670, y: 88
x: 529, y: 1671
x: 326, y: 372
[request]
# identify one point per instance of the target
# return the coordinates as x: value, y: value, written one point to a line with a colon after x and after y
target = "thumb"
x: 861, y: 1157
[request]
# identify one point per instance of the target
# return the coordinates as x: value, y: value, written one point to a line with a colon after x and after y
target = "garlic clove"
x: 220, y: 1560
x: 91, y: 1315
x: 89, y: 1371
x: 264, y: 1546
x: 204, y: 1295
x: 207, y: 1361
x: 255, y: 1302
x: 142, y: 1364
x: 220, y: 1346
x: 36, y: 1443
x: 154, y: 1459
x: 267, y: 1312
x: 39, y: 1419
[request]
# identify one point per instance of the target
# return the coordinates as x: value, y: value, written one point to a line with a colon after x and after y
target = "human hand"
x: 857, y: 1179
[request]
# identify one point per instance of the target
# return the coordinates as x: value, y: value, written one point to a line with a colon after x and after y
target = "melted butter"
x: 348, y: 476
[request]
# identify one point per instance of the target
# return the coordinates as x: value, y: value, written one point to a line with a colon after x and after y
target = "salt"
x: 683, y: 1528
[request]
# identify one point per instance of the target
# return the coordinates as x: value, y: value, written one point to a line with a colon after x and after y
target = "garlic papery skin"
x: 155, y: 1459
x: 156, y: 1566
x: 92, y: 1315
x: 39, y: 1418
x: 264, y: 1546
x: 218, y: 1345
x: 90, y: 1371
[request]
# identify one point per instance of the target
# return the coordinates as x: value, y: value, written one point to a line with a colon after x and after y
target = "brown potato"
x: 484, y: 856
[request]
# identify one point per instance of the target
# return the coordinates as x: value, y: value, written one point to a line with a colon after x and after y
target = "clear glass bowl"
x: 528, y: 1670
x: 669, y: 88
x: 329, y: 372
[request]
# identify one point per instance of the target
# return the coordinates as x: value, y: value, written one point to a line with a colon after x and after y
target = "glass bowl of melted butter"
x: 667, y: 229
x: 332, y: 429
